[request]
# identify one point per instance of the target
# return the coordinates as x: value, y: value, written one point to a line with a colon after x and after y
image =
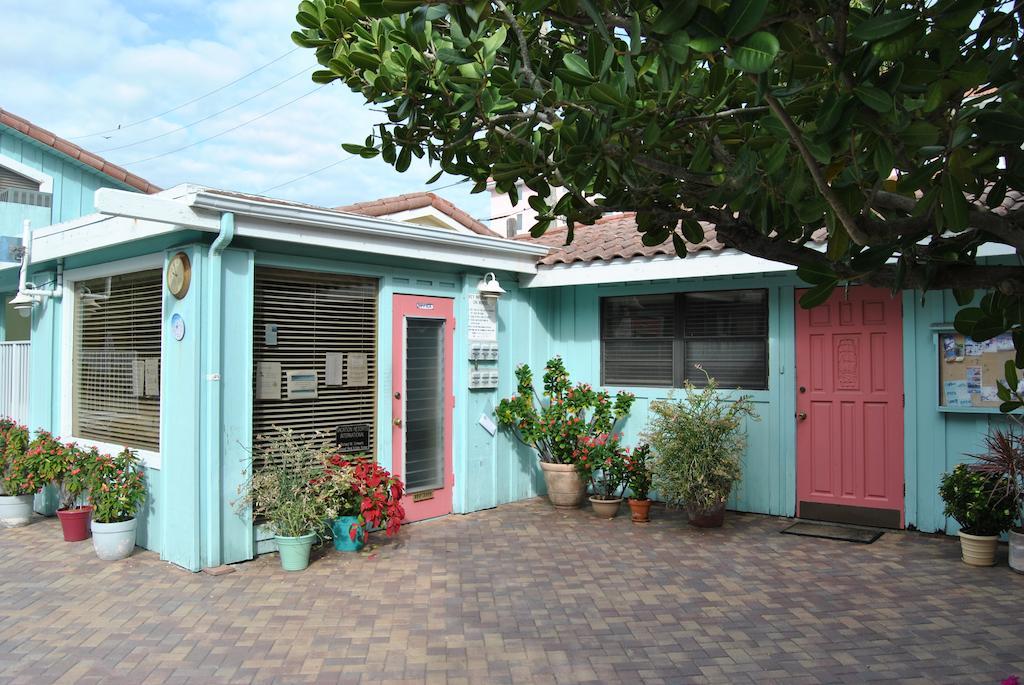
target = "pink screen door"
x: 849, y: 403
x: 421, y: 404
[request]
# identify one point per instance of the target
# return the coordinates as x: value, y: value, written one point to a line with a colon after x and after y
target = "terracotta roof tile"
x: 616, y: 237
x: 401, y: 203
x: 77, y: 153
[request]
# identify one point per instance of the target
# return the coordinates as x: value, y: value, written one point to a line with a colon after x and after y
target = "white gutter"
x: 311, y: 226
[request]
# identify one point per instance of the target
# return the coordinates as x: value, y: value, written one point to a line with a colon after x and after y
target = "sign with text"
x: 483, y: 318
x: 352, y: 437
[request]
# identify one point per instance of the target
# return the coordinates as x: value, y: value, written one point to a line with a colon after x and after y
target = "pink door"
x: 849, y: 435
x: 422, y: 401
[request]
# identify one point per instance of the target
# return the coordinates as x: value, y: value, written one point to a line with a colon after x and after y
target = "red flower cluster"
x: 381, y: 494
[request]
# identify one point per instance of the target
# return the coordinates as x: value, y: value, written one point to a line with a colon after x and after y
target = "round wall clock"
x: 179, y: 275
x: 177, y: 327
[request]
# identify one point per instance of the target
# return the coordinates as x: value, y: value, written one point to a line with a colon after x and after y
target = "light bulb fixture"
x: 489, y: 286
x: 23, y: 304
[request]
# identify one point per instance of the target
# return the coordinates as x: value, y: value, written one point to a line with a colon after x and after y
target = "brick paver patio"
x: 520, y: 594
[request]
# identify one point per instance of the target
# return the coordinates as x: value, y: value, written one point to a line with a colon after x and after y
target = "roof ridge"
x: 75, y: 152
x: 415, y: 200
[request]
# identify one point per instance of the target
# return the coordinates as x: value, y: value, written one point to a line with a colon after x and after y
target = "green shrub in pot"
x: 117, y: 489
x: 698, y: 449
x: 18, y: 479
x: 980, y: 502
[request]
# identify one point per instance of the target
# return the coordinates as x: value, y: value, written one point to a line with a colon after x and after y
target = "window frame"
x: 149, y: 458
x: 679, y: 337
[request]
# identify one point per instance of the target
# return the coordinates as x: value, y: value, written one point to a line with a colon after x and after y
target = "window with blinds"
x: 657, y: 340
x: 315, y: 355
x: 116, y: 360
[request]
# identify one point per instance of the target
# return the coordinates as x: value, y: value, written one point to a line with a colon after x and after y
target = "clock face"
x: 179, y: 273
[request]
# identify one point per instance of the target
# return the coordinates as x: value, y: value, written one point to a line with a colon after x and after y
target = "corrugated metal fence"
x: 14, y: 380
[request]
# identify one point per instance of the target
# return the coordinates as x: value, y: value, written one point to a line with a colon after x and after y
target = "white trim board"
x: 45, y: 181
x: 149, y: 458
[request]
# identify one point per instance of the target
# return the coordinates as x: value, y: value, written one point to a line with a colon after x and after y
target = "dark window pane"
x: 637, y: 362
x: 729, y: 313
x: 647, y: 316
x: 733, y: 363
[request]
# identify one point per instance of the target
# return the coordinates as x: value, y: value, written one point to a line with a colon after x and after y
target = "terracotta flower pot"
x: 640, y: 509
x: 606, y: 508
x: 978, y: 550
x: 1016, y: 537
x: 710, y: 518
x: 565, y: 487
x: 75, y: 523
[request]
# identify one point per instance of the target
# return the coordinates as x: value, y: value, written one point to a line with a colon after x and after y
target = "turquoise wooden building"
x: 188, y: 322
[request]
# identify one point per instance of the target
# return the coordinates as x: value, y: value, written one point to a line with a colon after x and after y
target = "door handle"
x: 802, y: 416
x: 397, y: 422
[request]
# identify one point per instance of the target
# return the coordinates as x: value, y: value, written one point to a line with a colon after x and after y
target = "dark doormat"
x: 832, y: 531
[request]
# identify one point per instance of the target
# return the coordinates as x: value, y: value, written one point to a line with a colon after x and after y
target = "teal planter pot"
x: 295, y: 551
x: 343, y: 541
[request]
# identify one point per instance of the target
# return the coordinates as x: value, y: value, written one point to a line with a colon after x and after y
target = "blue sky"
x: 86, y: 66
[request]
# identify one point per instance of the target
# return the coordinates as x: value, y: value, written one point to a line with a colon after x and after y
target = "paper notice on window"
x: 335, y: 368
x: 358, y: 370
x: 268, y: 381
x: 152, y: 377
x: 138, y: 377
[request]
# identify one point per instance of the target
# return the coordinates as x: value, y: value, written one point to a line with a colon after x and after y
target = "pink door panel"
x: 849, y: 354
x: 422, y: 400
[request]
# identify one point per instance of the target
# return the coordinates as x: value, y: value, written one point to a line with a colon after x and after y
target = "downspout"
x: 214, y: 391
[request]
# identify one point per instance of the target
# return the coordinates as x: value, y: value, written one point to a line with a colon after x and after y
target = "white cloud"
x: 91, y: 65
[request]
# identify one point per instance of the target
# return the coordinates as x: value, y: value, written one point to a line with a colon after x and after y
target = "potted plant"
x: 286, y: 493
x: 1004, y: 456
x: 117, y: 488
x: 361, y: 494
x: 18, y: 483
x: 552, y: 421
x: 980, y: 502
x: 603, y: 460
x: 698, y: 449
x: 67, y: 468
x: 638, y: 480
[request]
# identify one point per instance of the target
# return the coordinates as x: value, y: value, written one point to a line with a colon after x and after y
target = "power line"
x: 207, y: 117
x: 226, y: 131
x: 196, y: 99
x: 311, y: 173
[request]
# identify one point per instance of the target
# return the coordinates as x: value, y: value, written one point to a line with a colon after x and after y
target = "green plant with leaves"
x: 65, y: 466
x: 698, y: 445
x: 977, y: 500
x: 1004, y: 458
x: 601, y: 459
x: 117, y: 486
x: 18, y: 473
x: 286, y: 491
x: 553, y: 420
x: 896, y: 127
x: 638, y: 471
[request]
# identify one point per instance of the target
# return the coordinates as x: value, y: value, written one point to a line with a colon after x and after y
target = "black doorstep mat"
x: 831, y: 531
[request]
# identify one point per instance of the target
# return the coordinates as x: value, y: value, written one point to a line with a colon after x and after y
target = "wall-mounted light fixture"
x: 28, y: 294
x: 489, y: 286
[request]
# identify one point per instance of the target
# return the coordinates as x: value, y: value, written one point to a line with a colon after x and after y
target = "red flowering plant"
x: 601, y: 459
x: 62, y: 465
x: 365, y: 489
x: 638, y: 472
x: 117, y: 486
x: 18, y: 474
x: 553, y: 421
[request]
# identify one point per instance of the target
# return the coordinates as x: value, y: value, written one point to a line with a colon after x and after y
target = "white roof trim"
x: 131, y: 216
x: 726, y: 262
x: 45, y: 181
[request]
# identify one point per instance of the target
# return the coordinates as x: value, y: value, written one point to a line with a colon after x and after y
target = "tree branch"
x: 842, y: 216
x: 1006, y: 228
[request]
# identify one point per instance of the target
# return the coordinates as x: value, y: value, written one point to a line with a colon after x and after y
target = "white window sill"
x: 149, y: 459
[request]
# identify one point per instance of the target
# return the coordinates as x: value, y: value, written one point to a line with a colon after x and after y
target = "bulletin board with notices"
x: 969, y: 371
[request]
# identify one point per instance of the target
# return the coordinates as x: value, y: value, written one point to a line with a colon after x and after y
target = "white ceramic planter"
x: 1016, y: 550
x: 978, y: 550
x: 15, y: 510
x: 113, y: 541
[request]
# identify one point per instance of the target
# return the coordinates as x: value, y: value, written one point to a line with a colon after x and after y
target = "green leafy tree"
x: 896, y: 126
